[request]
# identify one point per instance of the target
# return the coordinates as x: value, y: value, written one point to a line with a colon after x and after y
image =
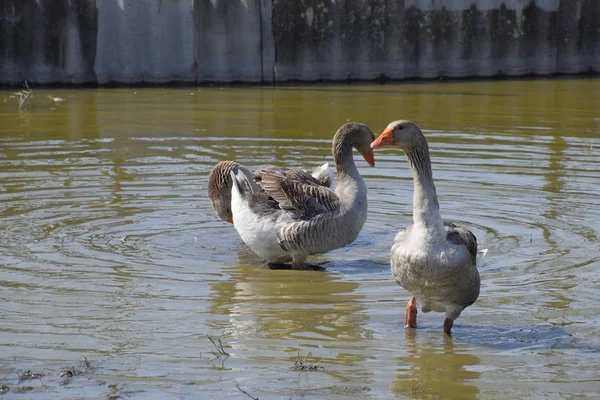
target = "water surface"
x: 114, y: 269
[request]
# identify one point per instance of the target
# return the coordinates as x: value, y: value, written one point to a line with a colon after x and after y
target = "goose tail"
x: 241, y: 182
x: 481, y: 252
x: 325, y: 174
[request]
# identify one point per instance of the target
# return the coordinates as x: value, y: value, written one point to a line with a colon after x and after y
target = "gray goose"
x: 433, y: 259
x: 303, y: 218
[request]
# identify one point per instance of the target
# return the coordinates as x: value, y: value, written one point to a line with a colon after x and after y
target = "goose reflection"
x: 287, y: 305
x: 436, y: 369
x: 275, y: 314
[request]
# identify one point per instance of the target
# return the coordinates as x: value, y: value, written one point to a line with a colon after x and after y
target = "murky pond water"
x: 114, y: 269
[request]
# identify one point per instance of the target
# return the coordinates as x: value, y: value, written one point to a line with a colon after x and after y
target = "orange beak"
x: 385, y: 139
x: 370, y: 157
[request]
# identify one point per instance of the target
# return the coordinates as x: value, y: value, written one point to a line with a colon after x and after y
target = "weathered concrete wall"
x: 145, y: 41
x: 231, y: 39
x: 194, y: 41
x: 48, y: 41
x: 336, y: 39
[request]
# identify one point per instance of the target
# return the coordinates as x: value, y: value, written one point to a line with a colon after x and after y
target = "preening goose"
x: 220, y: 181
x: 303, y: 218
x: 433, y: 259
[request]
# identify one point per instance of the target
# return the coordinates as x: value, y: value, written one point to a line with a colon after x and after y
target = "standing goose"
x: 433, y: 259
x: 219, y: 183
x: 303, y: 218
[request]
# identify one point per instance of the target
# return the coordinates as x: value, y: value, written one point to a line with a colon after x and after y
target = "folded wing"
x: 297, y: 192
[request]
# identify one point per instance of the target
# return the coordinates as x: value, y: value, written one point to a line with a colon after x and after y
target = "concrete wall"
x: 196, y: 41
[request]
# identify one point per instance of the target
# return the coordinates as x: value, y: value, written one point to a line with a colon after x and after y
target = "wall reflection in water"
x: 303, y: 112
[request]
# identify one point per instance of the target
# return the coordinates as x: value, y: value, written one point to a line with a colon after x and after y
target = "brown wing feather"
x: 293, y: 174
x: 303, y: 197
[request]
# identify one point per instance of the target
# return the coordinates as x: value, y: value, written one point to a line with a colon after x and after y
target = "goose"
x: 303, y: 218
x: 219, y: 183
x: 433, y: 259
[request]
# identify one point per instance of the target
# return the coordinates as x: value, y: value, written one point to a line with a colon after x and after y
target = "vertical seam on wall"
x: 558, y: 36
x: 417, y: 45
x: 274, y: 66
x: 262, y: 48
x: 97, y: 40
x: 267, y: 43
x: 195, y: 43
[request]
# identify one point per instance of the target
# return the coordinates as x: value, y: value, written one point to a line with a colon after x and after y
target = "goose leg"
x: 411, y: 313
x: 298, y: 263
x: 448, y: 325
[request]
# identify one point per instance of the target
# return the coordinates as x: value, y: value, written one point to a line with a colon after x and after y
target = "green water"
x: 111, y: 253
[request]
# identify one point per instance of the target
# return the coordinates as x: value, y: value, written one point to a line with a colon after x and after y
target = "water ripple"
x: 109, y: 249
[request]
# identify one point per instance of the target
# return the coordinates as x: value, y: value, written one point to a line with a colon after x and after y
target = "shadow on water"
x: 351, y: 267
x: 437, y: 365
x: 383, y: 89
x: 525, y: 337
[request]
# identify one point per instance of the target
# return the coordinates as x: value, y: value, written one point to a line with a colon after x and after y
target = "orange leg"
x: 411, y: 313
x: 448, y: 325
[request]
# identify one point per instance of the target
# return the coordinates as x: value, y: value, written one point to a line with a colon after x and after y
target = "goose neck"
x: 426, y: 209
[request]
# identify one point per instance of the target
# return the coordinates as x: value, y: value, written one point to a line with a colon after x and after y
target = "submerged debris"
x: 83, y: 366
x: 219, y: 347
x: 421, y: 387
x: 28, y: 375
x: 24, y: 96
x: 68, y: 372
x: 303, y: 364
x: 22, y: 389
x: 237, y: 385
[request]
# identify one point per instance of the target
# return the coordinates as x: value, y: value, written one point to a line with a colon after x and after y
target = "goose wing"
x: 458, y: 235
x: 319, y: 176
x: 297, y: 192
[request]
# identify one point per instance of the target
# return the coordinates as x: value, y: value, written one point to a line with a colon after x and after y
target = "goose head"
x: 402, y: 133
x: 357, y: 135
x: 219, y: 189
